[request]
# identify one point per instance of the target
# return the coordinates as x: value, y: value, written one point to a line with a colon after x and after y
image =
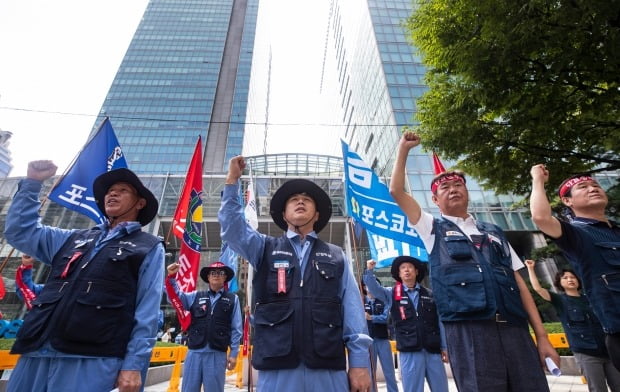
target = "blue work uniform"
x: 593, y: 249
x: 250, y: 244
x: 381, y: 347
x: 472, y: 273
x: 47, y: 369
x: 586, y: 340
x: 206, y: 366
x: 416, y: 365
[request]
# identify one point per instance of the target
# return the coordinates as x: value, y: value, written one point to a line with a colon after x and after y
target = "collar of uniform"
x: 291, y: 234
x: 128, y: 227
x: 457, y: 220
x: 220, y: 291
x: 415, y: 288
x: 589, y: 221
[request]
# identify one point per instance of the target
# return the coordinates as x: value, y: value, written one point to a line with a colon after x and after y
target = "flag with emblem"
x: 187, y: 223
x: 101, y: 154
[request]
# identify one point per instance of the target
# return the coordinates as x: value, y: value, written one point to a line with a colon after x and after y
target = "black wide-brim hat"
x: 419, y: 265
x: 204, y: 272
x: 106, y: 180
x: 293, y: 187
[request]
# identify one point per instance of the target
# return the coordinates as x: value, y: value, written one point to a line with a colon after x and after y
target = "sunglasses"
x: 217, y: 273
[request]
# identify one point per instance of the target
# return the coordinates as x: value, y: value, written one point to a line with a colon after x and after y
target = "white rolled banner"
x: 552, y: 367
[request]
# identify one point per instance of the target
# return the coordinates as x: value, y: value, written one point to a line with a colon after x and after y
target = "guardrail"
x: 177, y: 354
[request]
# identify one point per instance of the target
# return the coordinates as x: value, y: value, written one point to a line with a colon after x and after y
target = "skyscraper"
x: 5, y: 154
x: 185, y: 74
x: 376, y: 76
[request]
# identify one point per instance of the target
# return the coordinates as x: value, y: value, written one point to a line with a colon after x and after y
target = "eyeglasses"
x: 217, y: 273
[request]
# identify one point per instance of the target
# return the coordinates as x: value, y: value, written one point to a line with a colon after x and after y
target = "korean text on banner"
x: 101, y: 154
x: 369, y: 202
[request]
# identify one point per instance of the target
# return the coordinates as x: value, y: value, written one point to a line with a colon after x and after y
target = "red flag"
x: 188, y: 219
x: 2, y: 288
x: 438, y: 167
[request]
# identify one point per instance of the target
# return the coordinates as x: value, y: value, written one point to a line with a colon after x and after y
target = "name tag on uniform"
x: 404, y: 302
x: 281, y: 266
x: 453, y: 233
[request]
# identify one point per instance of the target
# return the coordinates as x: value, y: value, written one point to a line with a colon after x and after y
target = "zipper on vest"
x: 88, y: 288
x: 301, y: 284
x: 604, y: 277
x: 63, y: 286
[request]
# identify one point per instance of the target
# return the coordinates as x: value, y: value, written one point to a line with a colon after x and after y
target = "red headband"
x: 568, y: 184
x: 441, y: 180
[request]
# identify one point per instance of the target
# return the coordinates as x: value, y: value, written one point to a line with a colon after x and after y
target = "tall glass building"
x: 185, y: 74
x: 375, y: 76
x: 5, y: 155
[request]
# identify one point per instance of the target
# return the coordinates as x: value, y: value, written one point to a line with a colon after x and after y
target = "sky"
x: 59, y: 58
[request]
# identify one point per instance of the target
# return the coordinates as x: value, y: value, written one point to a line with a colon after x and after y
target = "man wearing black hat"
x: 215, y: 327
x: 93, y: 325
x: 307, y: 305
x: 481, y: 298
x: 419, y: 334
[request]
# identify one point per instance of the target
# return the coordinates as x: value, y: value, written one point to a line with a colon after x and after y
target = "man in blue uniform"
x: 591, y: 242
x: 482, y: 300
x: 307, y: 303
x: 93, y: 325
x: 377, y: 313
x: 420, y: 339
x: 215, y: 326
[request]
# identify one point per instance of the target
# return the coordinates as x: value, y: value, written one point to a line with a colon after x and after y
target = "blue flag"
x: 369, y: 202
x: 384, y: 250
x: 101, y: 154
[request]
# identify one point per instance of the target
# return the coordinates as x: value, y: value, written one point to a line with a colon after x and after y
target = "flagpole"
x: 58, y: 179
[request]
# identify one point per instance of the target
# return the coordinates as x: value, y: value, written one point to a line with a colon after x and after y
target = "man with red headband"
x: 591, y: 242
x: 482, y: 300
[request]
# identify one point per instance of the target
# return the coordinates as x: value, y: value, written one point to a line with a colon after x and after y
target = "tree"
x: 513, y: 83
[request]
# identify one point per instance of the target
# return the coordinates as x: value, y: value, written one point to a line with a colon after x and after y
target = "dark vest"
x: 416, y: 328
x: 212, y: 326
x: 600, y: 273
x: 376, y: 330
x: 582, y: 328
x: 87, y: 305
x: 474, y: 283
x: 298, y: 321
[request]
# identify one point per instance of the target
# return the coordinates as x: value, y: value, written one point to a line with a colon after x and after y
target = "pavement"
x: 556, y: 384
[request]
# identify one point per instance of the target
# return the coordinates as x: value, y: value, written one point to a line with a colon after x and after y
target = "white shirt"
x: 424, y: 227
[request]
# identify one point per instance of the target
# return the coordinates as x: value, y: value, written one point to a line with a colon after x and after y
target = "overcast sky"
x: 58, y: 60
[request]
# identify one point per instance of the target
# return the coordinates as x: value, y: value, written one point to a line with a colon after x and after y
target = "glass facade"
x: 376, y: 77
x: 185, y: 74
x: 269, y: 172
x: 5, y: 154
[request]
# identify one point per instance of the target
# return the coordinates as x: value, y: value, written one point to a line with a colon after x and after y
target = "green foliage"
x: 516, y: 83
x: 6, y: 344
x: 546, y: 252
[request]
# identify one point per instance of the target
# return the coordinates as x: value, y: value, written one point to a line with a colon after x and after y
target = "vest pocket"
x: 94, y: 318
x: 274, y: 329
x: 327, y: 329
x: 458, y: 247
x: 509, y: 291
x: 464, y: 287
x: 36, y: 320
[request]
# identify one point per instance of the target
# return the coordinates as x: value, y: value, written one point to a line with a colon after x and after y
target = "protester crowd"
x: 316, y: 326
